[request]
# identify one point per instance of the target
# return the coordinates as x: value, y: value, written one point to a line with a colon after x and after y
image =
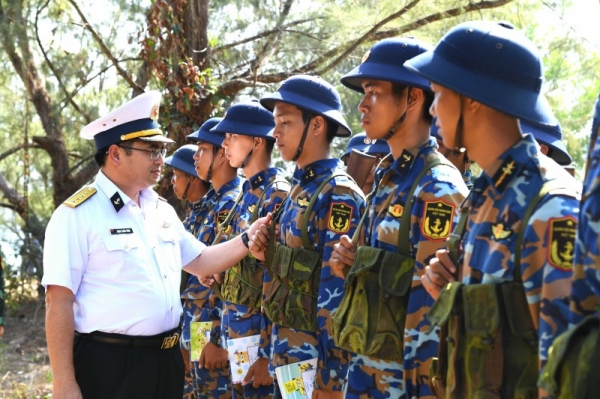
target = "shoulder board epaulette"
x: 162, y: 199
x: 80, y: 197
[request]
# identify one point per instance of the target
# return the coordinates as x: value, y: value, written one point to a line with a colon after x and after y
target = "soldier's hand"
x: 213, y: 357
x: 342, y: 256
x: 321, y: 394
x: 441, y: 271
x: 258, y: 237
x: 206, y: 281
x: 260, y: 371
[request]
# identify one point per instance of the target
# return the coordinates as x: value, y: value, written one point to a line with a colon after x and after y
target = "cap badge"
x: 154, y: 112
x: 366, y: 56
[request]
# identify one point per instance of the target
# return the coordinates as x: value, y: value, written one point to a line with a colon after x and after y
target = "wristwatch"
x: 215, y: 340
x: 245, y: 239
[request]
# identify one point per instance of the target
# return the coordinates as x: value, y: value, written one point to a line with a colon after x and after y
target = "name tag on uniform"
x: 127, y: 230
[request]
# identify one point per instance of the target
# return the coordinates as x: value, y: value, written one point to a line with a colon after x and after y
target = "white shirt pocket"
x: 169, y: 247
x: 124, y: 257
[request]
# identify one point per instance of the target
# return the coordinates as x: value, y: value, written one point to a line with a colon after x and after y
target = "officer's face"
x: 288, y: 129
x: 380, y: 108
x: 179, y: 180
x: 203, y: 159
x: 446, y: 107
x: 139, y: 167
x: 237, y: 147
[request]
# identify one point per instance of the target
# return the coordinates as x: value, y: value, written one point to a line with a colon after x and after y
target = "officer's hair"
x: 100, y: 155
x: 331, y: 126
x: 397, y: 90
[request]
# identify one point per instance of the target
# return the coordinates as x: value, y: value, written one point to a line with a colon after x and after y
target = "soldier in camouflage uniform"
x: 508, y: 297
x: 572, y: 366
x: 248, y: 147
x: 395, y: 108
x: 187, y: 186
x: 308, y: 109
x: 211, y: 371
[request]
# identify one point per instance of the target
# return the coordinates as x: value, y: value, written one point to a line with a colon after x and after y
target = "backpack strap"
x: 260, y: 199
x: 305, y: 242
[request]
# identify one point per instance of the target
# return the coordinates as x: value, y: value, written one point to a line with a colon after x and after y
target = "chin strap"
x: 458, y: 147
x: 187, y: 187
x: 400, y: 119
x: 304, y: 133
x: 245, y: 161
x: 214, y: 153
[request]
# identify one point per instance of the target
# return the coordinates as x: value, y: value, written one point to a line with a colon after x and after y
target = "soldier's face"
x: 237, y: 147
x: 179, y: 181
x: 203, y: 158
x: 380, y: 108
x: 288, y: 129
x: 446, y: 107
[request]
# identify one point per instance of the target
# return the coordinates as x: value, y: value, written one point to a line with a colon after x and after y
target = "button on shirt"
x: 123, y: 266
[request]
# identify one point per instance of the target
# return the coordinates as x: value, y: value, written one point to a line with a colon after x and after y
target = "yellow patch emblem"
x: 395, y: 210
x: 339, y: 217
x: 437, y: 220
x: 303, y: 202
x: 80, y: 197
x: 561, y: 242
x: 499, y: 232
x: 251, y: 208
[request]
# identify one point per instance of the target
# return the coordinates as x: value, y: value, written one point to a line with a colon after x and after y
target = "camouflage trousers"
x: 249, y: 392
x: 211, y: 384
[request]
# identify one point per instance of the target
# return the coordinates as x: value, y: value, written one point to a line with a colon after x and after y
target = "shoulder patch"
x: 561, y: 242
x: 80, y: 197
x: 395, y: 210
x: 437, y: 220
x: 340, y: 215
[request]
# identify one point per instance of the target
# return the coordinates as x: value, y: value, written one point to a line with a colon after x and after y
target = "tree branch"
x: 262, y: 34
x: 235, y: 85
x: 85, y: 174
x: 105, y: 49
x: 53, y: 69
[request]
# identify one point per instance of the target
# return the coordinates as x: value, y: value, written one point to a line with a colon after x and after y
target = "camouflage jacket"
x: 496, y: 206
x: 203, y: 305
x: 585, y: 294
x: 335, y: 213
x: 240, y: 320
x: 434, y: 211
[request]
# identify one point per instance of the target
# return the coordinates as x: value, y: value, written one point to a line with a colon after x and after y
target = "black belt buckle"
x: 170, y: 341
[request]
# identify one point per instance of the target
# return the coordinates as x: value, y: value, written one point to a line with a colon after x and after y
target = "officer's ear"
x: 113, y: 155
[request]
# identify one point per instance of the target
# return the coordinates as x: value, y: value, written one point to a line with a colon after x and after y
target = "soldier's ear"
x: 319, y: 125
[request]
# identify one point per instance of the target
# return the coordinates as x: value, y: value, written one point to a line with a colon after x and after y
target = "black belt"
x: 163, y: 341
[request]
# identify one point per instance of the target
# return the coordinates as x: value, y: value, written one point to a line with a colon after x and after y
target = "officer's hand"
x: 441, y: 271
x: 260, y: 371
x: 66, y: 389
x: 207, y: 281
x: 258, y: 237
x: 342, y: 256
x: 321, y: 394
x: 213, y: 357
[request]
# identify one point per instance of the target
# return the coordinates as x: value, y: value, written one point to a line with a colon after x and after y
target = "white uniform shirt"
x: 123, y: 267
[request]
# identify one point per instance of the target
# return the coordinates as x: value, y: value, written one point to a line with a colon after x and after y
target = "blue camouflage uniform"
x: 439, y: 193
x: 496, y: 206
x: 585, y: 294
x: 209, y: 383
x: 240, y: 320
x: 340, y: 197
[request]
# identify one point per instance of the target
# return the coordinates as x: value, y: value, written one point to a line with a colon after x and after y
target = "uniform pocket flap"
x: 442, y: 307
x: 396, y: 274
x: 517, y: 310
x: 168, y: 235
x: 121, y: 242
x: 282, y: 260
x: 305, y: 263
x: 366, y: 258
x: 481, y: 309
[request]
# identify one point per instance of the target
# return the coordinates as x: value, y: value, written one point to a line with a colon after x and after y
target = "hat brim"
x: 234, y: 127
x: 310, y: 105
x: 559, y: 151
x: 373, y: 70
x: 509, y: 99
x: 179, y: 165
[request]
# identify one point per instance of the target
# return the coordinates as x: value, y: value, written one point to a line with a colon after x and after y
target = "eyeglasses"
x: 154, y: 153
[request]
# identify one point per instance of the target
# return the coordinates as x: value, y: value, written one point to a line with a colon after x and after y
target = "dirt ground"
x: 24, y: 365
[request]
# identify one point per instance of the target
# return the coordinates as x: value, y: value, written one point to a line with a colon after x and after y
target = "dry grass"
x: 24, y: 365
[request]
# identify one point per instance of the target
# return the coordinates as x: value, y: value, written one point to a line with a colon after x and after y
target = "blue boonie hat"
x: 136, y: 119
x: 311, y: 93
x: 552, y: 137
x: 183, y: 159
x: 247, y: 118
x: 378, y: 146
x: 385, y: 61
x: 204, y: 133
x: 491, y: 63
